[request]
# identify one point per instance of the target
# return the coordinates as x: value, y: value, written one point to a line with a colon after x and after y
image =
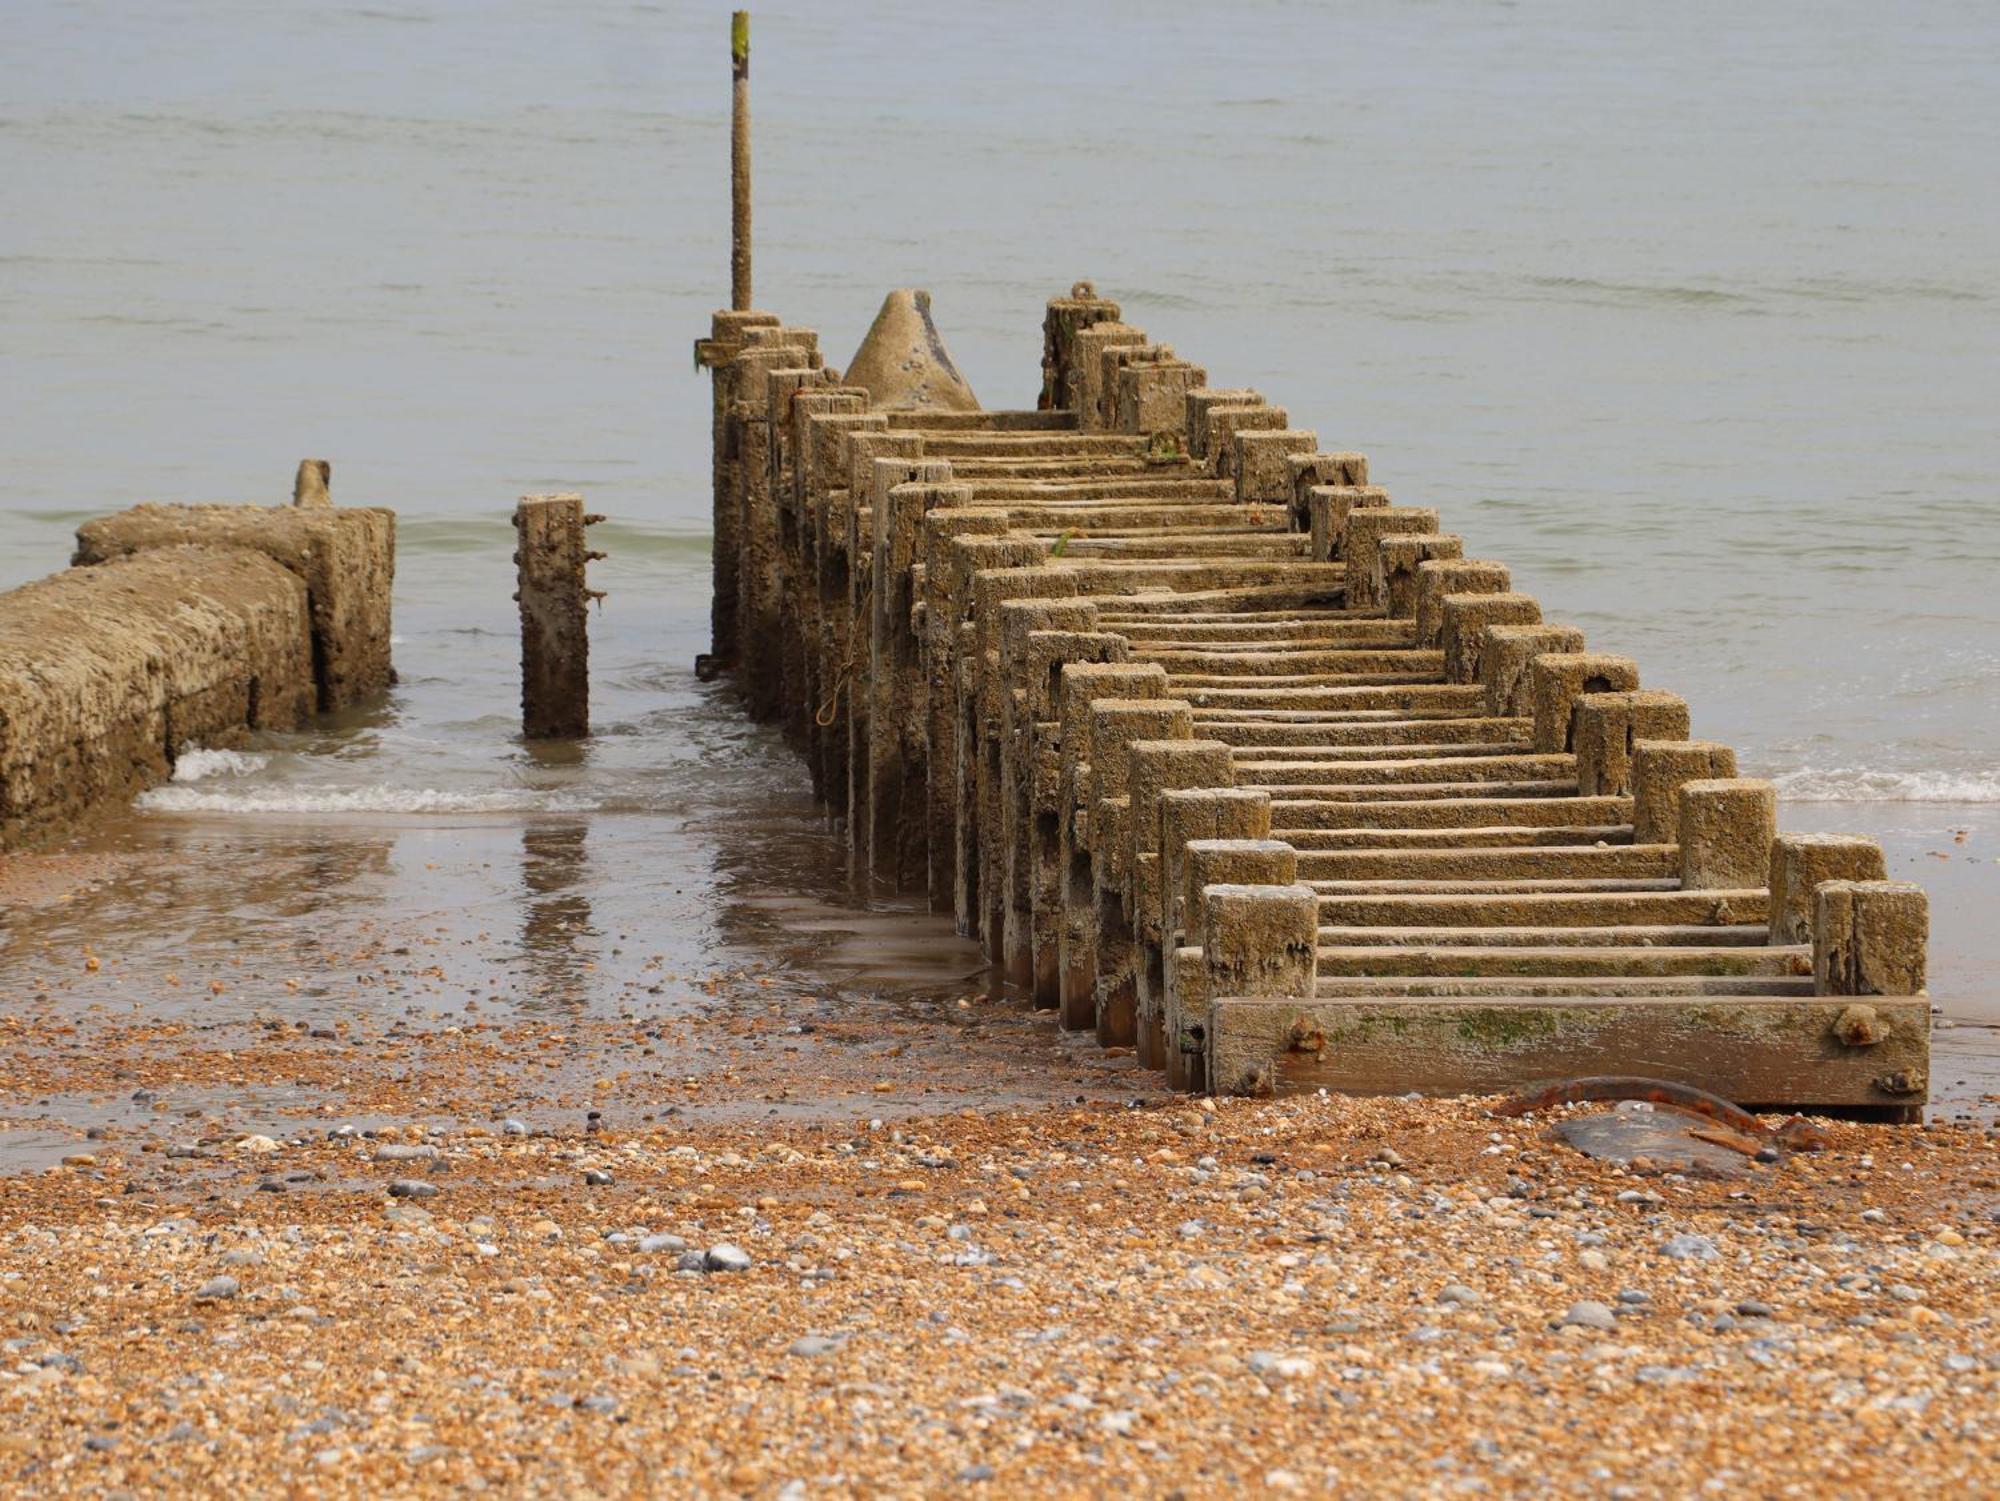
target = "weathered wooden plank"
x: 1791, y: 1051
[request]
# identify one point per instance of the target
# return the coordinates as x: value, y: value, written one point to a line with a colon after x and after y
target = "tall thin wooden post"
x: 739, y: 161
x: 554, y: 600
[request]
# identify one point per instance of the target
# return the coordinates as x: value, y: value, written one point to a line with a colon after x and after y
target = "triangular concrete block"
x: 903, y: 364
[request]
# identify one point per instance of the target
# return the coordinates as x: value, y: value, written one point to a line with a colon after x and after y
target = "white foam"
x: 195, y: 765
x: 1849, y: 784
x: 400, y: 800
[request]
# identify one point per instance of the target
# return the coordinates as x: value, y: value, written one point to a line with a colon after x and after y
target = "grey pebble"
x: 654, y: 1244
x: 724, y: 1257
x: 1690, y: 1248
x: 1459, y: 1293
x: 513, y: 1127
x: 1590, y: 1314
x: 597, y: 1177
x: 217, y: 1287
x: 403, y: 1152
x: 411, y: 1188
x: 1755, y: 1308
x: 814, y: 1344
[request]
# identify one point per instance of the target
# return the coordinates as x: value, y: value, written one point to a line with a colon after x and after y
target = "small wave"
x: 198, y: 765
x: 400, y: 800
x: 1846, y: 784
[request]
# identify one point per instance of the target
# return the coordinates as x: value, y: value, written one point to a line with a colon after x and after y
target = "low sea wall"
x: 183, y: 626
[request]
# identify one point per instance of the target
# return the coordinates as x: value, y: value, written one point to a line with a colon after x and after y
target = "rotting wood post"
x: 1727, y: 825
x: 1243, y: 862
x: 1225, y: 422
x: 1309, y: 471
x: 904, y: 491
x: 1800, y: 863
x: 717, y: 354
x: 1156, y: 768
x: 988, y: 694
x: 955, y: 517
x: 311, y: 485
x: 1255, y: 941
x: 554, y: 598
x: 1086, y: 367
x: 1360, y: 543
x: 1660, y: 768
x: 1049, y: 652
x: 1033, y: 632
x: 1263, y: 463
x: 1327, y: 510
x: 1440, y: 579
x: 739, y: 159
x: 1400, y: 558
x: 1506, y: 656
x: 1556, y: 680
x: 1608, y: 725
x: 1066, y: 318
x: 1870, y: 938
x: 1463, y: 619
x: 972, y: 558
x: 1084, y: 684
x: 1188, y: 815
x: 1117, y: 728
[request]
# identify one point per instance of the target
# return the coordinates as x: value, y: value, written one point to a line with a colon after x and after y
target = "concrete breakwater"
x: 1239, y: 762
x: 184, y: 626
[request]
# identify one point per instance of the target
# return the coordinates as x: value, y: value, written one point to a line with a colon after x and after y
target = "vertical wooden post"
x: 739, y: 161
x: 310, y: 488
x: 555, y: 643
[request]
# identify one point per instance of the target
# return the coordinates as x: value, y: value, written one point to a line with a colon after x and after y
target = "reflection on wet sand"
x: 556, y: 912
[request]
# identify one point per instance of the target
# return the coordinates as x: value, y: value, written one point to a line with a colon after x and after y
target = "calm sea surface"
x: 1690, y: 313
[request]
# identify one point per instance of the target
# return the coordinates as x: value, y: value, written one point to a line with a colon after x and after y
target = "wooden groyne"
x: 1240, y: 762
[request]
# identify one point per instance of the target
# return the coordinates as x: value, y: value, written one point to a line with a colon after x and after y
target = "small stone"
x: 1271, y: 1363
x: 1459, y: 1293
x: 653, y: 1245
x: 1690, y: 1248
x: 259, y: 1145
x: 411, y: 1188
x: 725, y: 1258
x: 513, y: 1127
x: 79, y: 1159
x: 1755, y: 1308
x: 975, y: 1474
x: 402, y: 1152
x: 597, y: 1177
x: 811, y: 1345
x: 216, y: 1288
x: 1590, y: 1314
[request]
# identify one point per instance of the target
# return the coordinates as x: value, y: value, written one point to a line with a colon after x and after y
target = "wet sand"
x: 982, y: 1254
